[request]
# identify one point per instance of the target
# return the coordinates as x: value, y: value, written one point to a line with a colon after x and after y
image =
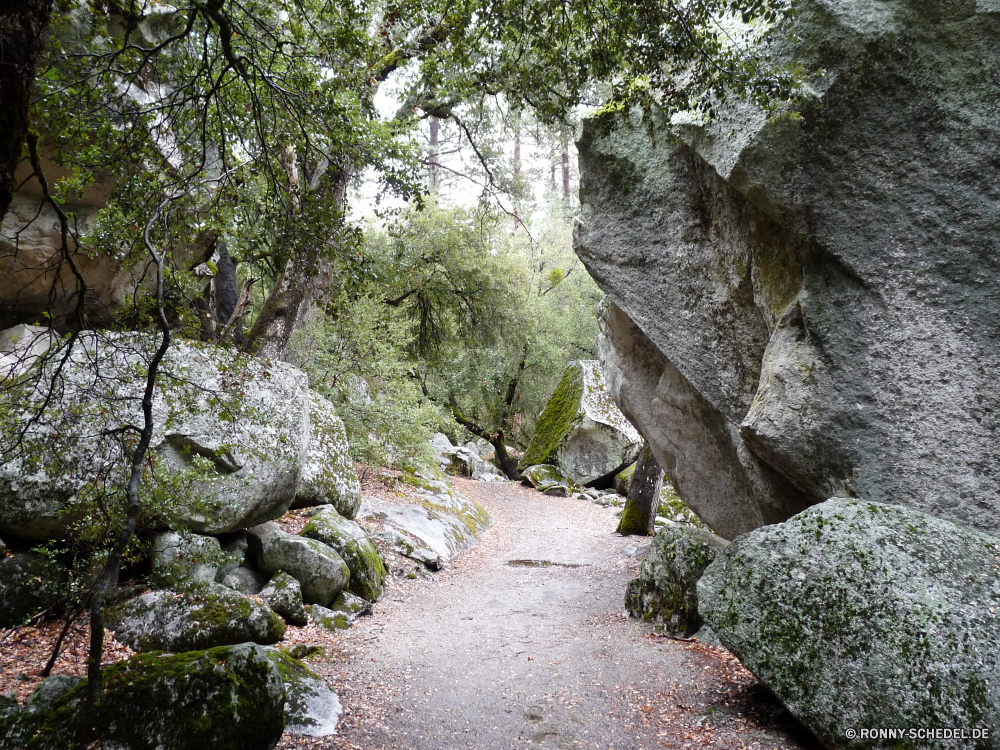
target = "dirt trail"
x: 496, y: 653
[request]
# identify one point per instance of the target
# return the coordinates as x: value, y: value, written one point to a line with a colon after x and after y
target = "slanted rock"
x: 805, y: 308
x: 283, y: 595
x: 885, y: 604
x: 232, y: 433
x: 665, y: 593
x: 180, y: 559
x: 582, y: 431
x: 228, y: 698
x: 351, y: 542
x: 550, y: 480
x: 328, y: 477
x: 202, y: 617
x: 320, y: 571
x: 445, y: 520
x: 312, y: 708
x: 405, y: 546
x: 29, y: 583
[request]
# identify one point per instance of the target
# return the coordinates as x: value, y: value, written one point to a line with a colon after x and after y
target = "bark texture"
x: 639, y: 513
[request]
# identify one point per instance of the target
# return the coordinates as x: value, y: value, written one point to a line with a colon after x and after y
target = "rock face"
x: 312, y: 708
x: 665, y: 592
x: 582, y: 431
x: 328, y: 477
x: 232, y: 434
x: 283, y: 595
x: 351, y: 542
x: 881, y: 603
x: 229, y: 698
x: 205, y: 617
x: 185, y: 558
x: 807, y: 308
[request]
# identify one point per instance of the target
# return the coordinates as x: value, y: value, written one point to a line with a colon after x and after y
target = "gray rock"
x: 283, y: 595
x: 202, y: 617
x: 321, y: 572
x: 354, y: 606
x: 665, y: 593
x: 245, y: 580
x: 581, y: 430
x: 882, y: 603
x: 20, y: 348
x: 442, y: 448
x: 233, y: 434
x: 446, y: 521
x: 29, y: 583
x: 466, y: 462
x: 812, y: 300
x: 328, y: 477
x: 228, y: 698
x: 550, y: 480
x: 403, y: 545
x: 351, y: 542
x: 328, y: 619
x: 179, y: 559
x: 52, y: 689
x: 234, y: 553
x: 312, y: 707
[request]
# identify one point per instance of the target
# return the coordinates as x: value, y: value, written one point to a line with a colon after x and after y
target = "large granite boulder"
x: 806, y: 307
x: 320, y: 571
x: 227, y: 698
x: 29, y: 583
x: 582, y: 431
x: 351, y: 542
x: 328, y: 477
x: 312, y: 708
x: 181, y: 559
x: 231, y: 433
x: 283, y: 594
x: 665, y: 593
x: 202, y: 617
x: 859, y: 614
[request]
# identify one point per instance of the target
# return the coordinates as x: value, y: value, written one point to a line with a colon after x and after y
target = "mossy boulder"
x: 312, y: 708
x: 283, y: 595
x: 29, y: 583
x: 860, y: 614
x: 321, y: 572
x: 665, y: 593
x: 351, y: 542
x: 329, y: 619
x: 228, y: 698
x: 202, y: 617
x: 581, y: 430
x: 328, y: 476
x: 548, y: 479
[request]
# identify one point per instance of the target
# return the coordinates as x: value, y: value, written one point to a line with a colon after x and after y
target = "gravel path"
x: 523, y: 642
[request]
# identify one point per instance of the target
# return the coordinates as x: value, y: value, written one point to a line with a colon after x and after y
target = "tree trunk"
x: 567, y: 198
x: 303, y: 279
x: 505, y: 463
x: 22, y: 31
x: 433, y: 169
x: 639, y: 513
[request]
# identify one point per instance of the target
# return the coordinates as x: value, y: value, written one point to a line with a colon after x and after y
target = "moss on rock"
x: 228, y: 698
x: 557, y: 419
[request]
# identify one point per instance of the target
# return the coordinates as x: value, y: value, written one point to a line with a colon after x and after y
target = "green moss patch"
x: 557, y: 419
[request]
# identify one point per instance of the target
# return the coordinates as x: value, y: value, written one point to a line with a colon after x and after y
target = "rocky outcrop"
x: 328, y: 477
x: 229, y: 698
x: 582, y: 431
x: 665, y: 593
x: 806, y: 307
x: 203, y: 617
x: 351, y: 542
x: 885, y: 604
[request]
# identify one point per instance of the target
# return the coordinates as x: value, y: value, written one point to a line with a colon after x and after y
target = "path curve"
x: 493, y: 655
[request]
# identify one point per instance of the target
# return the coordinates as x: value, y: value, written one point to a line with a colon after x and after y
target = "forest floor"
x: 523, y: 642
